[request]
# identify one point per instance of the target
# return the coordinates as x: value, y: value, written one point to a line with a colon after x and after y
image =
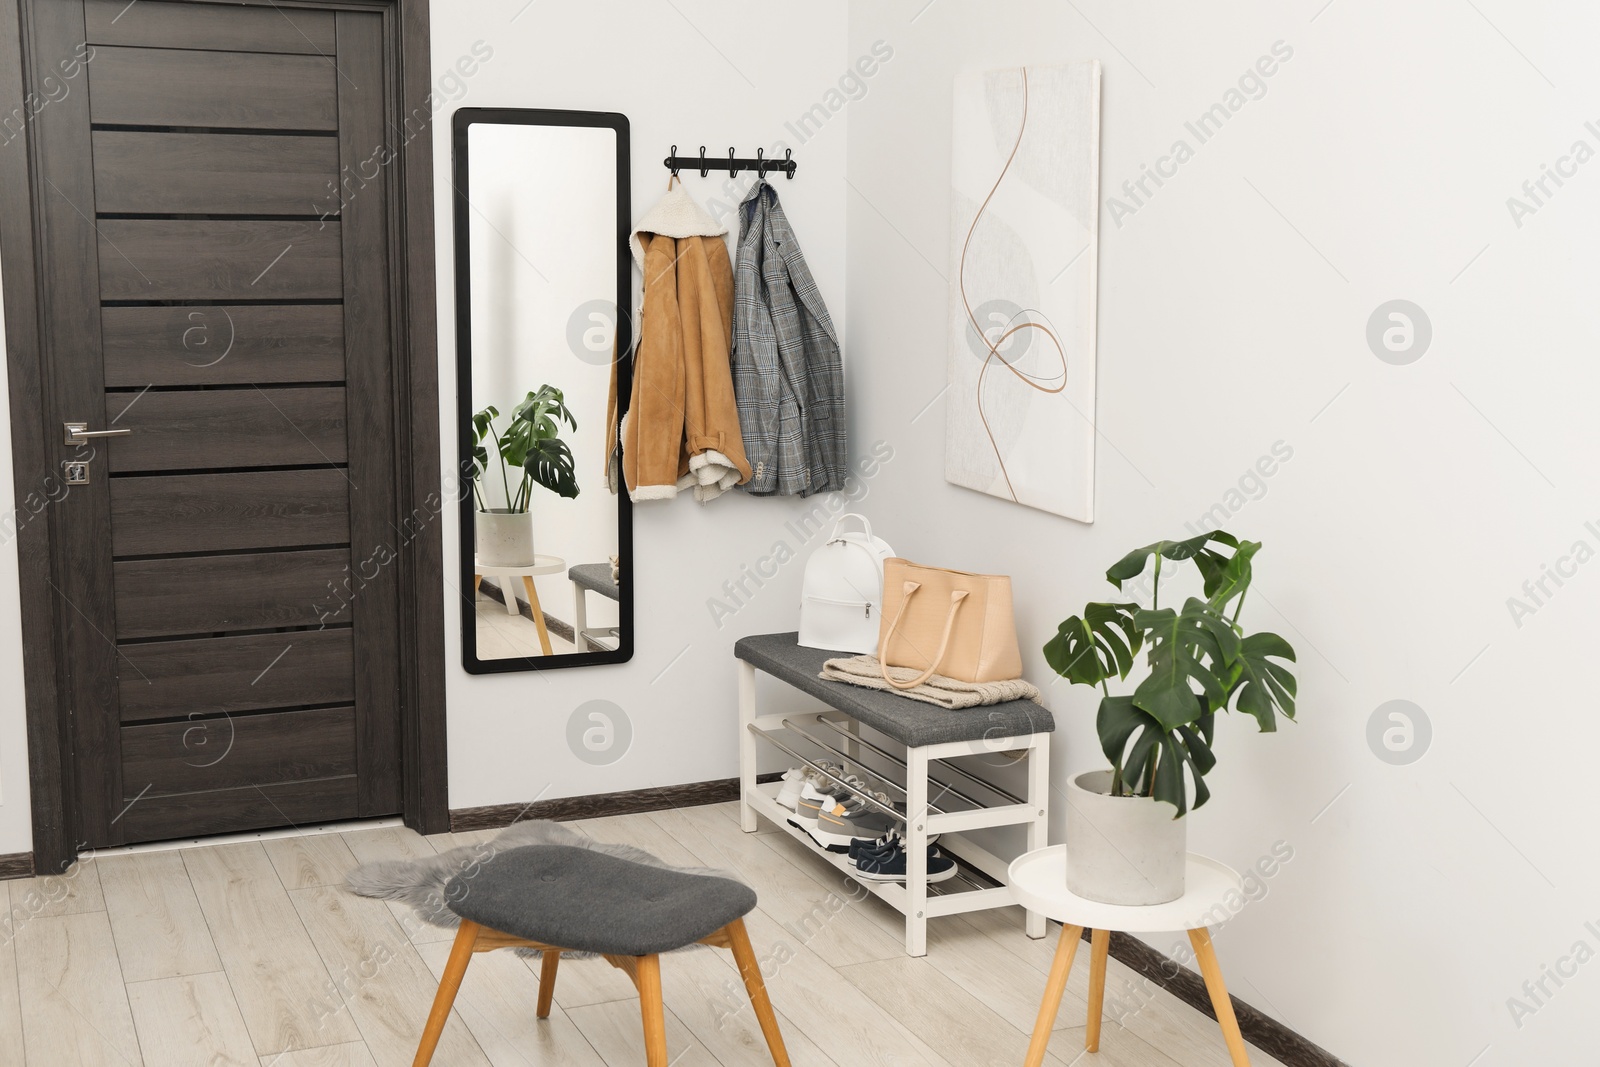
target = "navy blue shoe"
x: 888, y: 864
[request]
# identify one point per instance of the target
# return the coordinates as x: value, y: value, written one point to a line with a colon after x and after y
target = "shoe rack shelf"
x: 950, y: 803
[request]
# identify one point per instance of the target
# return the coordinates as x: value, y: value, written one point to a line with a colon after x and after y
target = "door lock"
x: 79, y: 432
x: 75, y: 472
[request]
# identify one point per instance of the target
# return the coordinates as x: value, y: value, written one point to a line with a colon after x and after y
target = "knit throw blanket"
x: 421, y: 883
x: 945, y: 692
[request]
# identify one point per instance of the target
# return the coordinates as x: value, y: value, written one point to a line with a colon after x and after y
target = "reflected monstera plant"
x: 1199, y: 661
x: 531, y: 445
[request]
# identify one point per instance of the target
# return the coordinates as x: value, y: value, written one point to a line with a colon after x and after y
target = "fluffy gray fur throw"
x: 421, y: 883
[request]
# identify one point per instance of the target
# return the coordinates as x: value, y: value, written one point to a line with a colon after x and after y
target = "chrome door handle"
x: 77, y: 432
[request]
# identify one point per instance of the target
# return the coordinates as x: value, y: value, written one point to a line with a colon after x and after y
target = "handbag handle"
x: 851, y: 515
x: 957, y: 596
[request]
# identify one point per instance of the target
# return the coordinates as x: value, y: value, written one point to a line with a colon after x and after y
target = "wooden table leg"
x: 538, y: 614
x: 454, y: 970
x: 549, y: 960
x: 648, y: 979
x: 1054, y: 986
x: 1099, y: 947
x: 477, y: 580
x: 1212, y: 973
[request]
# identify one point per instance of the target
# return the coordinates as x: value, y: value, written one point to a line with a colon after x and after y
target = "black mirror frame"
x: 618, y: 123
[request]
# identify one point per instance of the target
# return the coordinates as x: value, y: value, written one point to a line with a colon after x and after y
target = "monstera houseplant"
x: 1126, y: 831
x: 531, y: 446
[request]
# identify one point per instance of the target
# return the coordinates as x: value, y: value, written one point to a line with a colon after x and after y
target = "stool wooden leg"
x: 756, y: 987
x: 477, y: 582
x: 449, y: 983
x: 538, y: 613
x: 1211, y: 971
x: 1054, y: 986
x: 647, y: 976
x: 549, y: 961
x: 1099, y: 948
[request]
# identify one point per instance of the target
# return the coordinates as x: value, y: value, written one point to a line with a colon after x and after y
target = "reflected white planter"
x: 1122, y: 850
x: 504, y: 539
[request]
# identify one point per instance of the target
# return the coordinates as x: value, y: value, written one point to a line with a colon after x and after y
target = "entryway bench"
x: 904, y: 739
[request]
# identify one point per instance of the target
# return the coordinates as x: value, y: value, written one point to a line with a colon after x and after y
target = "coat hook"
x: 761, y: 164
x: 788, y: 164
x: 672, y: 160
x: 702, y: 161
x: 733, y: 171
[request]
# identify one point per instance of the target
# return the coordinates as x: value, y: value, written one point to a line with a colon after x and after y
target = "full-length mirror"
x: 541, y: 219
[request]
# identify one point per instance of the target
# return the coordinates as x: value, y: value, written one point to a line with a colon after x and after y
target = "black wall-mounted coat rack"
x: 706, y: 164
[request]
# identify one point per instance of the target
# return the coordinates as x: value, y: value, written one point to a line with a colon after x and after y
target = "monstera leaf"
x: 1264, y: 687
x: 1178, y: 641
x: 1121, y: 721
x: 1099, y: 645
x: 1209, y: 560
x: 549, y: 462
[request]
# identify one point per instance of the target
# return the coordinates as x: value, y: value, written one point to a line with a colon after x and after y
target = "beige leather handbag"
x: 939, y: 621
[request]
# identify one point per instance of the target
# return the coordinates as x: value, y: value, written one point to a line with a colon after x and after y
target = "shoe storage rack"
x: 940, y: 798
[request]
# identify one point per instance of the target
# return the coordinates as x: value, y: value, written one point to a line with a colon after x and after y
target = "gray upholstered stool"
x: 557, y: 898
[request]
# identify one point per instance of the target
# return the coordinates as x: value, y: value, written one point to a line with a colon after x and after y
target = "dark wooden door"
x: 215, y: 241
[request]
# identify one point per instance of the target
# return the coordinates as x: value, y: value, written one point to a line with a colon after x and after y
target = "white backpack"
x: 841, y: 596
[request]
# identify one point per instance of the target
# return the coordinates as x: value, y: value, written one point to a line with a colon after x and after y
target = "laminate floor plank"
x: 398, y: 843
x: 285, y: 992
x: 155, y: 917
x: 821, y: 1003
x: 617, y: 1034
x: 386, y: 987
x: 74, y: 1002
x: 192, y: 1021
x: 73, y: 892
x: 10, y: 997
x: 312, y: 860
x: 353, y: 1054
x: 496, y: 1003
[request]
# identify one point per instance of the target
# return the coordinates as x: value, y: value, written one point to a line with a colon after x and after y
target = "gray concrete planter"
x: 1122, y: 850
x: 504, y: 539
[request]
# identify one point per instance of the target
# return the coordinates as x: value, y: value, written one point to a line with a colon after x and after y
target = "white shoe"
x: 789, y: 792
x: 809, y: 808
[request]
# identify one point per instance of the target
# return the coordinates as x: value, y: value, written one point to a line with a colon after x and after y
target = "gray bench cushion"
x: 911, y: 722
x: 584, y: 900
x: 595, y: 577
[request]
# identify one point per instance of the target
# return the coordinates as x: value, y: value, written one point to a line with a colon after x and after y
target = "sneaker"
x: 809, y: 808
x: 852, y: 819
x: 889, y: 842
x: 789, y: 791
x: 889, y: 865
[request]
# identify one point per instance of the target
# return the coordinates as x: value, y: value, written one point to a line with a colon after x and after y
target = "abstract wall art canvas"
x: 1020, y: 407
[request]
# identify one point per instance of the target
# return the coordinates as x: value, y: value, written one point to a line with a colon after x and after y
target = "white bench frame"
x: 911, y: 899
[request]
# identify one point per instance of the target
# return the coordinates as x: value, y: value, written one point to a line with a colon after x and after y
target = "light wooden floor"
x: 251, y: 954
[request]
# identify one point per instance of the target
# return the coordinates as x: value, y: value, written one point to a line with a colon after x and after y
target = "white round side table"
x: 1039, y: 883
x: 527, y: 572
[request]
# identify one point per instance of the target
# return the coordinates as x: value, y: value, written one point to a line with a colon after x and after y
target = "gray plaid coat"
x: 787, y: 374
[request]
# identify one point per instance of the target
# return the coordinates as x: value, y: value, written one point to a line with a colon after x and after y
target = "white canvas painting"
x: 1025, y: 242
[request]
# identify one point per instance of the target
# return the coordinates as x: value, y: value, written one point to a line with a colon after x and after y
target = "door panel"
x: 166, y: 679
x: 153, y: 24
x: 223, y: 345
x: 230, y: 562
x: 215, y: 594
x: 235, y: 90
x: 193, y: 755
x: 219, y: 173
x: 223, y: 811
x: 199, y: 429
x: 219, y: 259
x: 229, y: 512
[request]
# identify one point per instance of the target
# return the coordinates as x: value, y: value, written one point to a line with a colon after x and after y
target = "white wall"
x: 1233, y: 310
x: 686, y: 73
x: 16, y: 817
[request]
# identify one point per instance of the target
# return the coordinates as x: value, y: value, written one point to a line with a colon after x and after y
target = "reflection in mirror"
x: 541, y: 200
